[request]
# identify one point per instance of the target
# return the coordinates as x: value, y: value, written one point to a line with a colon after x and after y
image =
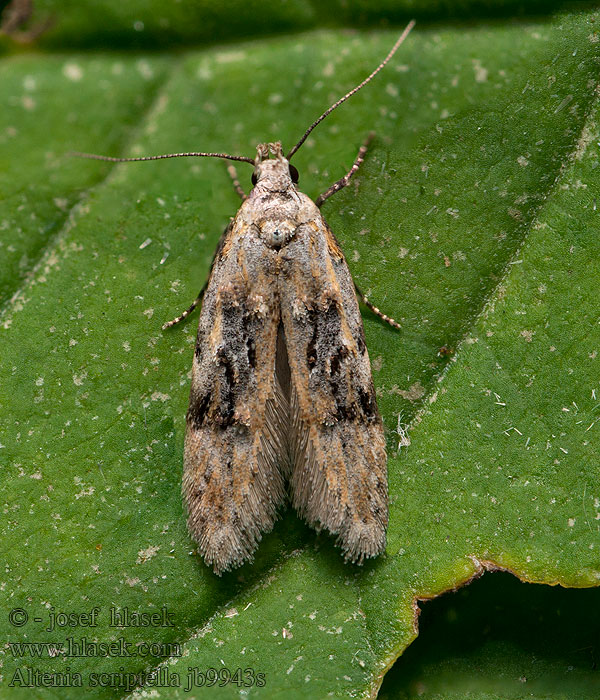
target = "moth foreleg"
x: 200, y: 296
x: 342, y: 182
x: 236, y: 183
x: 188, y: 311
x: 375, y: 310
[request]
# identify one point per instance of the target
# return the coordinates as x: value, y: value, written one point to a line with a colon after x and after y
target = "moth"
x: 282, y: 403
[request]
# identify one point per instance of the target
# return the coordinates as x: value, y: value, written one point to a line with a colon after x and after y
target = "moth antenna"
x: 110, y: 159
x: 395, y: 47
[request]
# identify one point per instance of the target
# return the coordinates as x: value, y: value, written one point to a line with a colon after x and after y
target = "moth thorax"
x: 277, y: 233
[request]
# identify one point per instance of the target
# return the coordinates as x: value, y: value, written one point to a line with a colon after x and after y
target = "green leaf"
x: 472, y: 222
x: 51, y: 107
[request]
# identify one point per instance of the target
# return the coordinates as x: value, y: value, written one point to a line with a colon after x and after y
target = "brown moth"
x: 282, y: 402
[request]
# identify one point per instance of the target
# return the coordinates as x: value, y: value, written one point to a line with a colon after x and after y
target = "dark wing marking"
x: 237, y: 420
x: 339, y: 474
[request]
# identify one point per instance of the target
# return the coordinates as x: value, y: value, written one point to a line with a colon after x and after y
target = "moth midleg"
x: 336, y: 187
x: 188, y: 311
x: 375, y: 310
x: 236, y: 183
x: 342, y: 182
x: 198, y: 299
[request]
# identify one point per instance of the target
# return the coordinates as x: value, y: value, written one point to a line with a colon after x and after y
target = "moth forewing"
x: 339, y: 476
x: 232, y: 482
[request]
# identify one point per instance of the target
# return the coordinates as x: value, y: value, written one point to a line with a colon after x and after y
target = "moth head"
x: 274, y: 173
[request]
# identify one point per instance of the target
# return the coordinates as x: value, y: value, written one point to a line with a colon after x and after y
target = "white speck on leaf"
x: 145, y: 70
x: 528, y: 335
x: 231, y: 56
x: 85, y: 492
x: 72, y: 71
x: 329, y: 69
x: 145, y: 555
x: 78, y: 379
x: 481, y: 73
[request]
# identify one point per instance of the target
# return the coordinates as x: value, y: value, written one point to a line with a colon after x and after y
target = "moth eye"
x: 254, y: 179
x: 294, y: 174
